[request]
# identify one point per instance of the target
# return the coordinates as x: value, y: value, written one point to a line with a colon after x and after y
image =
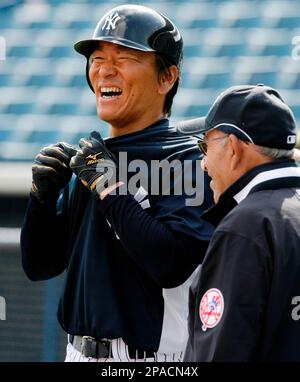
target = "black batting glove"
x: 94, y: 164
x: 51, y: 171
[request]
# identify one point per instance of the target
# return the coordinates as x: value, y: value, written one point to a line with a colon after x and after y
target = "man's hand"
x: 51, y: 171
x: 94, y: 164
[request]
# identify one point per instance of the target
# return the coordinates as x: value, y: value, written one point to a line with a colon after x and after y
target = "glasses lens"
x: 202, y: 146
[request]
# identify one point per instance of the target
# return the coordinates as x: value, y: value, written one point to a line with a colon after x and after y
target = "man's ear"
x: 235, y: 147
x: 167, y: 80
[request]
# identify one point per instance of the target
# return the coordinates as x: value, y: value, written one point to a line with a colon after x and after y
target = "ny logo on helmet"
x: 111, y: 21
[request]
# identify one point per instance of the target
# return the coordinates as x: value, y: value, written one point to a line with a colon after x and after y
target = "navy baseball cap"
x: 255, y: 114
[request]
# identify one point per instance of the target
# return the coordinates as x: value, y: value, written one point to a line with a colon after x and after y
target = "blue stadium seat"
x: 19, y: 108
x: 270, y: 42
x: 240, y: 14
x: 291, y: 97
x: 78, y: 80
x: 45, y: 94
x: 19, y: 51
x: 247, y: 22
x: 253, y: 70
x: 281, y: 14
x: 63, y: 108
x: 204, y: 23
x: 7, y: 14
x: 34, y: 15
x: 81, y: 24
x: 193, y: 44
x: 206, y: 73
x: 43, y: 137
x: 290, y: 81
x: 216, y: 80
x: 195, y: 111
x: 191, y: 103
x: 40, y: 80
x: 224, y: 42
x: 289, y: 74
x: 60, y: 51
x: 192, y: 51
x: 276, y: 50
x: 267, y: 78
x: 5, y: 79
x: 192, y: 14
x: 5, y: 135
x: 289, y: 22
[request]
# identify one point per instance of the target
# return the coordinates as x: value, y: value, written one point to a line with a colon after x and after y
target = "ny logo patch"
x: 211, y: 308
x: 111, y: 21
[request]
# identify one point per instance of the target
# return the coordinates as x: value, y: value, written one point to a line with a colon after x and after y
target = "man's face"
x: 216, y: 162
x: 125, y: 82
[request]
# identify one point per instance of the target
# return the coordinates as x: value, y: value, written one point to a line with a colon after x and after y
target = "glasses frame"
x: 202, y: 143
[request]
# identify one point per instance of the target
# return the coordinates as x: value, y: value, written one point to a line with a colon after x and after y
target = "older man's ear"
x: 235, y: 150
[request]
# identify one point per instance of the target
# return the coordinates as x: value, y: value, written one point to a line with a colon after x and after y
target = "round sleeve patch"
x: 211, y: 308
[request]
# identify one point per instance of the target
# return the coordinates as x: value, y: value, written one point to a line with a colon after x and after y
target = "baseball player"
x: 244, y: 306
x: 129, y: 257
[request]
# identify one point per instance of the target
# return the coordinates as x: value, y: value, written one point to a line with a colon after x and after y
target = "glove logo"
x: 111, y: 21
x: 211, y: 308
x: 93, y: 158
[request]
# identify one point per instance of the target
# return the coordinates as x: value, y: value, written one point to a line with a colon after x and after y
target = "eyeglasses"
x: 202, y: 144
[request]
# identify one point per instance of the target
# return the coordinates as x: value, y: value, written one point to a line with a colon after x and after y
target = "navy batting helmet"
x: 137, y: 27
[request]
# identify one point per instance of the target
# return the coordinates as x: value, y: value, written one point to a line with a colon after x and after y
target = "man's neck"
x: 118, y: 130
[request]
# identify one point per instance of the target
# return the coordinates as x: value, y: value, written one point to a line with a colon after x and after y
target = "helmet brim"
x: 86, y: 47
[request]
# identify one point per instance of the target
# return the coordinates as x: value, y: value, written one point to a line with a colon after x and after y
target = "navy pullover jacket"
x: 128, y: 257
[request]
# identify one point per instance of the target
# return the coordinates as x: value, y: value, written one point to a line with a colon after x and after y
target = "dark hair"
x: 163, y: 64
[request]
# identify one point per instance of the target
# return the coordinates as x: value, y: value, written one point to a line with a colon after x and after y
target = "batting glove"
x: 94, y: 164
x: 51, y: 171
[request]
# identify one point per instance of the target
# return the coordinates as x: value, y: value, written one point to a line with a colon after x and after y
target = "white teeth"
x: 109, y: 90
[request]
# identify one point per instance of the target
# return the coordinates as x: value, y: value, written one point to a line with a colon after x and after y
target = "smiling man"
x: 242, y: 304
x: 129, y: 257
x: 126, y: 84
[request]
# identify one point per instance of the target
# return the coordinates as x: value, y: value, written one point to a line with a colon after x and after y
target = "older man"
x: 244, y: 305
x: 129, y: 254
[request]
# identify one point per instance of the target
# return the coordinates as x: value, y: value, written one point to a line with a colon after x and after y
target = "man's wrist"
x: 110, y: 189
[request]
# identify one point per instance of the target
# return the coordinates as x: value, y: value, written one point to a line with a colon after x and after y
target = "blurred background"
x: 44, y: 98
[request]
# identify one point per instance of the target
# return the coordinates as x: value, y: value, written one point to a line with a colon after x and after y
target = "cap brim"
x: 191, y: 126
x: 85, y: 47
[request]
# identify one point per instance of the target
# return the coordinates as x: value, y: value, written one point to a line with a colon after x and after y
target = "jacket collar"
x: 269, y: 176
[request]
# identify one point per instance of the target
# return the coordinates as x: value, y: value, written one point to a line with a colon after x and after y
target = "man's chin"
x: 108, y: 117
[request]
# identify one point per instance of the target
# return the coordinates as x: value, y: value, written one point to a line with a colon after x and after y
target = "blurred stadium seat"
x: 242, y: 14
x: 45, y: 99
x: 226, y: 43
x: 253, y: 70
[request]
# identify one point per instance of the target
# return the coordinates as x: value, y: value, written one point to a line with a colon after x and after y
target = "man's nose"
x: 107, y: 68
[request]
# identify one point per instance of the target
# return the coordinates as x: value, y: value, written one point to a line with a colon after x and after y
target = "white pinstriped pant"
x: 120, y: 354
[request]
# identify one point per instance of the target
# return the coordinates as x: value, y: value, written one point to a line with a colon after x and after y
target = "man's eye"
x: 96, y: 59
